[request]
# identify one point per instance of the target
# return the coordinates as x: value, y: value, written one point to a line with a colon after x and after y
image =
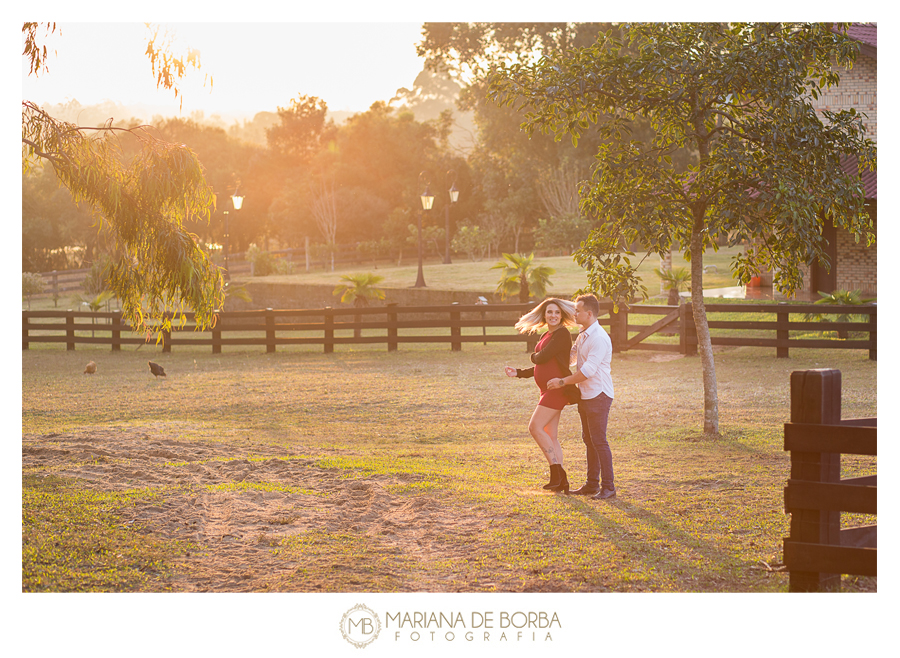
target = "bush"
x: 32, y: 284
x: 95, y: 281
x: 265, y: 263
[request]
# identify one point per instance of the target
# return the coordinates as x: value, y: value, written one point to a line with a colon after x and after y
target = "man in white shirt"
x: 594, y: 355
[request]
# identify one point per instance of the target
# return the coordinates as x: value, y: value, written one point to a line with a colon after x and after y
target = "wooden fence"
x: 679, y: 320
x: 457, y: 324
x: 391, y: 325
x: 818, y: 550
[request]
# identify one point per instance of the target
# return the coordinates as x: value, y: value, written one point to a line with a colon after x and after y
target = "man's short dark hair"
x: 590, y: 303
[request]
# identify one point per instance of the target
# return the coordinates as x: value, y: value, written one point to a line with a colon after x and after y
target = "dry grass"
x: 413, y: 470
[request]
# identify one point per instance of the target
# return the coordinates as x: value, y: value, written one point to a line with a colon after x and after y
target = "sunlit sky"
x: 254, y: 67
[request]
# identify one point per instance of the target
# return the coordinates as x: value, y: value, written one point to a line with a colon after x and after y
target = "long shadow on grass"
x: 725, y: 567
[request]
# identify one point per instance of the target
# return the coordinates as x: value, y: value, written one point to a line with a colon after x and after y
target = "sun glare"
x: 253, y: 67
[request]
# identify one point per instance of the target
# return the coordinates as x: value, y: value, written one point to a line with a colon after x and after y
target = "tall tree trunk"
x: 704, y: 343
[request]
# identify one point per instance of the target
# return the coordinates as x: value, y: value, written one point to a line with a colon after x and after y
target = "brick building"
x: 854, y: 265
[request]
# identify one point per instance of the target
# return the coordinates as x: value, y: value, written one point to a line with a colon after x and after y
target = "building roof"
x: 867, y: 36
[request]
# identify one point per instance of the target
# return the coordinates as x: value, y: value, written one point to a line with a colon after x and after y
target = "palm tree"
x: 522, y: 277
x: 674, y: 280
x: 358, y: 289
x: 95, y: 303
x: 839, y: 298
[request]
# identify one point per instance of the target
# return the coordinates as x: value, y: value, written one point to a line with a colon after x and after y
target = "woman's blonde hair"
x: 534, y: 321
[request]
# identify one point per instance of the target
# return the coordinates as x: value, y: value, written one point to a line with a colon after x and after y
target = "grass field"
x: 403, y: 471
x: 464, y: 274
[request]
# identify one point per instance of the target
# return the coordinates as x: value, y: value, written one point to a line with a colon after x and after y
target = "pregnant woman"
x: 551, y: 360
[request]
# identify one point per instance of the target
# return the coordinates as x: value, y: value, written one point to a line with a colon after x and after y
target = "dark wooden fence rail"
x: 680, y: 320
x: 272, y: 327
x: 818, y: 550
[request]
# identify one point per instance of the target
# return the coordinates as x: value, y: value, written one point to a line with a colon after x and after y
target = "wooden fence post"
x: 455, y: 331
x: 873, y: 335
x: 217, y: 333
x: 166, y: 340
x: 329, y: 329
x: 117, y: 331
x: 392, y: 327
x: 816, y: 399
x: 782, y: 334
x: 24, y: 331
x: 70, y: 330
x: 618, y: 329
x: 686, y: 330
x: 270, y: 331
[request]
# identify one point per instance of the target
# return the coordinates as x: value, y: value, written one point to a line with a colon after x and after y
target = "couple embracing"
x: 590, y: 387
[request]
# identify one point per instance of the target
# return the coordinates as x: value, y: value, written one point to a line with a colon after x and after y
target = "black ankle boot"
x: 563, y: 480
x: 554, y: 476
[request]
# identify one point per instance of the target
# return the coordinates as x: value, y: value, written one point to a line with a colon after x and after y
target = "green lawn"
x: 478, y: 276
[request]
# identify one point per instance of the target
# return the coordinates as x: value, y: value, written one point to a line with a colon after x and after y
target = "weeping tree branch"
x: 144, y: 201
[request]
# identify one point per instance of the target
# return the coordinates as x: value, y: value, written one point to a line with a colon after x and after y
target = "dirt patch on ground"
x: 267, y: 520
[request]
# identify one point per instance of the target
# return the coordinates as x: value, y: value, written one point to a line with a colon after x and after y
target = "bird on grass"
x: 90, y: 368
x: 156, y: 369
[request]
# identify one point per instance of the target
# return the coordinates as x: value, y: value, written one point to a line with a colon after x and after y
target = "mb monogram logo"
x: 360, y: 626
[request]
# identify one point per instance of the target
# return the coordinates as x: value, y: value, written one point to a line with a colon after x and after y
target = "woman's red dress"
x: 543, y: 372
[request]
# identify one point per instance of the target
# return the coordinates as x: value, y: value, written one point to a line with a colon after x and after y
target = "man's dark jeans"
x: 594, y: 417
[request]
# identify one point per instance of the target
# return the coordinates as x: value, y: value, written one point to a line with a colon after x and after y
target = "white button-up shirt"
x: 593, y: 358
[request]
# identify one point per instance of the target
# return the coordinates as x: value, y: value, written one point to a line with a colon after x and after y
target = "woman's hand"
x: 510, y: 371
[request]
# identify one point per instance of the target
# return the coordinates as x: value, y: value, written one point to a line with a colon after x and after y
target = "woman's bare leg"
x: 543, y: 426
x: 553, y: 431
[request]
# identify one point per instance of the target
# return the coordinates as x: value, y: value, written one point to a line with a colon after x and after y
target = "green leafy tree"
x: 57, y: 233
x: 562, y: 233
x: 302, y: 131
x: 522, y: 277
x: 472, y: 240
x: 514, y: 170
x: 768, y: 166
x: 432, y: 238
x: 145, y: 200
x: 227, y: 167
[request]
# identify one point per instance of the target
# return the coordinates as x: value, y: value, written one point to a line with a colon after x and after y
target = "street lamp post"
x: 454, y: 197
x: 427, y: 201
x: 236, y: 201
x: 225, y: 245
